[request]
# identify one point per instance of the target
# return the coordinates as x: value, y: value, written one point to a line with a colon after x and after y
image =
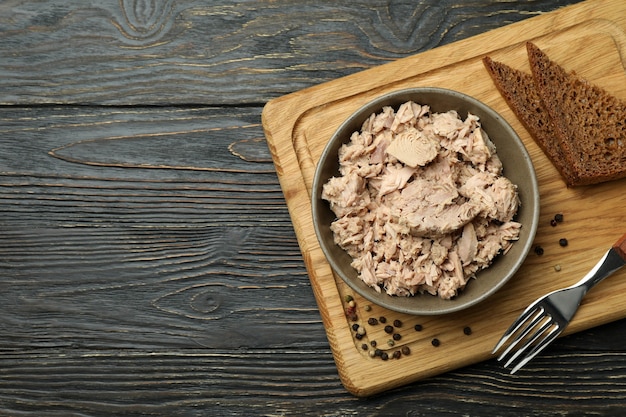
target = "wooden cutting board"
x: 590, y: 38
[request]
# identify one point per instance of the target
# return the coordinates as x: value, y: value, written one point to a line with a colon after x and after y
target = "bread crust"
x: 579, y: 126
x: 590, y: 122
x: 518, y: 90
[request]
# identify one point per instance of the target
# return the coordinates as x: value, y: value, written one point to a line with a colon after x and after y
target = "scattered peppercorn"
x: 388, y: 329
x: 372, y: 321
x: 397, y: 323
x: 367, y: 307
x: 373, y: 343
x: 390, y: 342
x: 563, y: 242
x: 538, y: 250
x: 383, y: 319
x: 558, y: 217
x: 348, y: 298
x: 361, y: 331
x: 406, y: 350
x: 351, y: 304
x: 351, y: 313
x: 358, y: 336
x: 355, y: 327
x: 372, y: 353
x: 557, y: 267
x: 378, y: 352
x: 418, y: 327
x: 364, y: 346
x: 397, y: 354
x: 384, y: 356
x: 553, y: 222
x: 397, y: 336
x: 467, y: 330
x: 435, y: 342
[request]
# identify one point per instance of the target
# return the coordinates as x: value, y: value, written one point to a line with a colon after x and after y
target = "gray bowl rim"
x: 394, y: 99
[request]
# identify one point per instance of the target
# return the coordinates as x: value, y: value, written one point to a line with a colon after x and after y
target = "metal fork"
x: 545, y: 319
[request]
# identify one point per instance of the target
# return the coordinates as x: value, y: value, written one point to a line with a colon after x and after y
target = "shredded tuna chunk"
x: 425, y: 227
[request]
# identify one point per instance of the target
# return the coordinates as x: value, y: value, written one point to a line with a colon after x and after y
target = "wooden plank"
x: 289, y: 381
x: 135, y: 52
x: 113, y: 239
x: 298, y: 126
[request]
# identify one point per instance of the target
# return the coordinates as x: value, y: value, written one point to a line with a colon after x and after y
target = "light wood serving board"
x: 590, y: 38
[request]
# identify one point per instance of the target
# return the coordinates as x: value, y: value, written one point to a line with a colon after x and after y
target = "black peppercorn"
x: 372, y: 321
x: 397, y: 354
x: 563, y: 242
x: 358, y: 336
x: 397, y: 323
x: 538, y: 250
x: 383, y: 319
x: 384, y: 356
x: 435, y: 342
x: 364, y: 346
x: 355, y: 327
x: 418, y: 327
x: 553, y: 222
x: 373, y: 343
x: 406, y: 350
x: 397, y: 336
x: 558, y: 218
x: 467, y: 330
x: 388, y: 329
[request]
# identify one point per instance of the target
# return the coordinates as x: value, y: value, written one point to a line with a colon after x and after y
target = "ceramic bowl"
x: 517, y: 167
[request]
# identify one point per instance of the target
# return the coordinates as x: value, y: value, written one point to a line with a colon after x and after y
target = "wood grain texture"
x: 210, y: 247
x: 219, y: 52
x: 148, y: 263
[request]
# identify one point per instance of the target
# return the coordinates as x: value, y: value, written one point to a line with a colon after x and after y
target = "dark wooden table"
x: 148, y: 264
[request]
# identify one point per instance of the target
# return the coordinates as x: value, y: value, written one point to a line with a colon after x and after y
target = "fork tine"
x: 517, y: 324
x: 553, y: 312
x: 532, y: 339
x: 538, y: 348
x: 529, y: 326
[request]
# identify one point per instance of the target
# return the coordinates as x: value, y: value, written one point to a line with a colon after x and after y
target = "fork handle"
x: 620, y: 247
x: 613, y: 259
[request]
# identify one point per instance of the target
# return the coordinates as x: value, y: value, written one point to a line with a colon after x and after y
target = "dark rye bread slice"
x: 518, y: 90
x: 590, y: 122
